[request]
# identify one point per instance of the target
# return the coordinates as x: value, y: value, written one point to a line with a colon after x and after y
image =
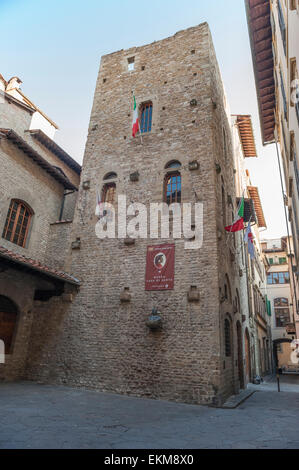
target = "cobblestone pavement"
x: 45, y: 416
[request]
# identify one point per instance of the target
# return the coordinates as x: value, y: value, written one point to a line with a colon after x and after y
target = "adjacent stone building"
x: 38, y: 186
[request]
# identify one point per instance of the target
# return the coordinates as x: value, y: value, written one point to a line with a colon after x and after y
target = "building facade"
x: 105, y: 341
x: 94, y: 312
x: 282, y: 302
x: 38, y: 189
x: 274, y: 35
x: 255, y: 316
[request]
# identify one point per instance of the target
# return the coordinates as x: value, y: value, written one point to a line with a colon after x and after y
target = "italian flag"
x: 238, y: 223
x: 135, y: 124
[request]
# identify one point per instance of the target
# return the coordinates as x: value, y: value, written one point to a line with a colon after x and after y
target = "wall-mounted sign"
x: 159, y: 274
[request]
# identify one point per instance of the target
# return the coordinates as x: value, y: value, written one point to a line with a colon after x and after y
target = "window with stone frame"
x: 17, y: 223
x: 145, y: 117
x: 173, y: 187
x: 109, y: 193
x: 282, y: 311
x: 131, y: 64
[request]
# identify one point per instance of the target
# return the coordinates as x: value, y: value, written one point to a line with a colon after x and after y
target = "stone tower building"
x: 102, y: 339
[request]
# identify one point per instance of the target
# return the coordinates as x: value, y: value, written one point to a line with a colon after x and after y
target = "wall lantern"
x: 154, y: 321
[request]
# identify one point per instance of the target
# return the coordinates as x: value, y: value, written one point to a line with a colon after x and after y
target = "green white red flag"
x: 135, y: 124
x: 238, y: 223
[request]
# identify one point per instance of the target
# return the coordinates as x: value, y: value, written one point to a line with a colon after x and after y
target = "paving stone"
x: 64, y: 418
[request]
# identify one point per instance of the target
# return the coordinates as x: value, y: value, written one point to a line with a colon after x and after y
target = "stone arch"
x: 173, y: 164
x: 109, y: 176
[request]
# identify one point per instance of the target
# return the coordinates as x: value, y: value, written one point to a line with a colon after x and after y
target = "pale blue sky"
x: 55, y: 48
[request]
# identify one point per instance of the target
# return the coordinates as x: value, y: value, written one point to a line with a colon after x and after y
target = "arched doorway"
x: 247, y: 356
x: 240, y: 355
x: 8, y: 320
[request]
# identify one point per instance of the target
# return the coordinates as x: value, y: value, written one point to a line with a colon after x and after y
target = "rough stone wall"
x: 227, y: 251
x: 23, y: 179
x: 13, y: 116
x: 100, y: 342
x: 52, y: 158
x: 19, y: 288
x: 58, y: 244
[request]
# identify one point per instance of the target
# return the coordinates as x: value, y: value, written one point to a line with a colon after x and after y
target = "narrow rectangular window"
x: 146, y: 114
x: 131, y: 64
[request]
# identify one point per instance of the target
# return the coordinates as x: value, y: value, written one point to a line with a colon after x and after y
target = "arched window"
x: 173, y: 164
x: 172, y: 187
x: 227, y: 337
x: 17, y: 222
x: 282, y: 311
x: 109, y: 192
x: 8, y: 319
x: 110, y: 176
x: 146, y: 114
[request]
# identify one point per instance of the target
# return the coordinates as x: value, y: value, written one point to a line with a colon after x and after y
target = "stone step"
x: 236, y: 400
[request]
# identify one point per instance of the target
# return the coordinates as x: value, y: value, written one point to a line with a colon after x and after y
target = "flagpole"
x: 138, y: 118
x: 239, y: 205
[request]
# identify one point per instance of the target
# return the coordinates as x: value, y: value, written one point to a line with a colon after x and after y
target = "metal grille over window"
x: 17, y: 223
x: 146, y: 117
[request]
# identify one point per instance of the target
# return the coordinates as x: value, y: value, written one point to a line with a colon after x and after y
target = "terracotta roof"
x: 35, y: 156
x: 246, y: 135
x: 254, y: 194
x: 32, y: 265
x: 53, y: 147
x: 260, y: 32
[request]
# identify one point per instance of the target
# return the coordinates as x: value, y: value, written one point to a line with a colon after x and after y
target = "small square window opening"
x: 131, y: 64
